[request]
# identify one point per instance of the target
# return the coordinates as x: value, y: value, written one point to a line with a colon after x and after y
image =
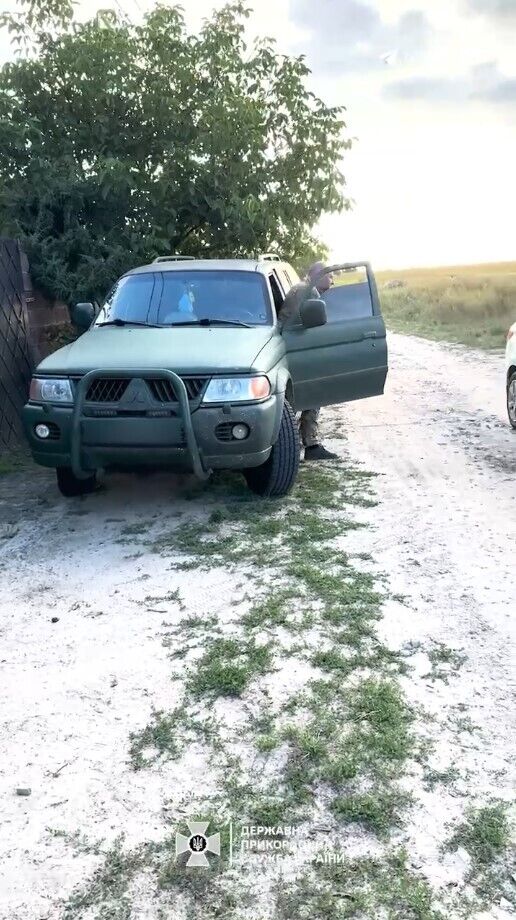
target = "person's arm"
x: 295, y: 297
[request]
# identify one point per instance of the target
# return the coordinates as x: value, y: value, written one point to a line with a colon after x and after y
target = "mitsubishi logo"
x: 136, y: 395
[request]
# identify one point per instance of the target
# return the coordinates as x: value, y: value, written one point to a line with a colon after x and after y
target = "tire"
x: 277, y: 475
x: 511, y: 399
x: 70, y: 486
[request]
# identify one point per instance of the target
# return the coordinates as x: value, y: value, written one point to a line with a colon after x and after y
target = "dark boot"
x: 319, y: 452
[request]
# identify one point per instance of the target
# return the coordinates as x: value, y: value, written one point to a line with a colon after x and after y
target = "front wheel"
x: 70, y: 486
x: 511, y: 399
x: 277, y: 475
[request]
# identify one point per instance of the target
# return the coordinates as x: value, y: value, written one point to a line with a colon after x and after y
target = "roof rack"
x: 174, y: 259
x: 270, y: 257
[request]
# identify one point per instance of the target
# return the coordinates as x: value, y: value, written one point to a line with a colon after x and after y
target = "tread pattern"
x: 70, y: 486
x: 278, y: 474
x: 511, y: 379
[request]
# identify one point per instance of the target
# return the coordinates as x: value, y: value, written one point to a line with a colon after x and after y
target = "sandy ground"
x: 71, y: 690
x: 445, y: 532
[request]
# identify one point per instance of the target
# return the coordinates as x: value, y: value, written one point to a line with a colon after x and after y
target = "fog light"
x: 240, y: 432
x: 42, y: 431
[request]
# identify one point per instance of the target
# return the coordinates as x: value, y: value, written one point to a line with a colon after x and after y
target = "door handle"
x: 369, y: 335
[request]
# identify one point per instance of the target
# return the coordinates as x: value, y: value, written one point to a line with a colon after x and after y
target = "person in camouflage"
x: 309, y: 419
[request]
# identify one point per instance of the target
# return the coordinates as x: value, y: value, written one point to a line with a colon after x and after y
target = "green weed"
x: 159, y: 739
x: 337, y: 889
x: 485, y: 833
x: 228, y: 666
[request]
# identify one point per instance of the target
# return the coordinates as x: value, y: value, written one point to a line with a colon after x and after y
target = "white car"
x: 510, y: 354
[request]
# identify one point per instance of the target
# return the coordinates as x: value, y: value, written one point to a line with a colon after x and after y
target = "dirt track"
x: 445, y: 531
x: 71, y: 691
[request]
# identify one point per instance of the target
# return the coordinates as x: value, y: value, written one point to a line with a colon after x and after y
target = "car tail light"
x: 510, y: 334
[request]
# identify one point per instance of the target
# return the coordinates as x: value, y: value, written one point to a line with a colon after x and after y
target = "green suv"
x: 188, y: 366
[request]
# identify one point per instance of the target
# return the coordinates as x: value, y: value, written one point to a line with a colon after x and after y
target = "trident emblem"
x: 198, y: 844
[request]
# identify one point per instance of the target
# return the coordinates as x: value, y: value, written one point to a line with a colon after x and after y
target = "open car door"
x: 346, y: 358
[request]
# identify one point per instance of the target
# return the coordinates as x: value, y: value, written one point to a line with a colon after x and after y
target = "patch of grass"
x: 275, y: 610
x: 172, y: 597
x: 433, y: 778
x: 382, y: 723
x: 77, y: 840
x: 159, y: 739
x: 191, y: 631
x: 138, y: 528
x: 264, y: 807
x: 377, y: 811
x: 266, y: 743
x: 473, y: 305
x: 485, y: 833
x: 168, y: 735
x: 108, y: 887
x: 15, y: 460
x: 268, y: 812
x: 352, y: 736
x: 201, y: 542
x: 263, y: 729
x: 337, y: 888
x: 211, y: 895
x: 444, y: 661
x: 228, y: 666
x: 466, y: 724
x: 334, y: 660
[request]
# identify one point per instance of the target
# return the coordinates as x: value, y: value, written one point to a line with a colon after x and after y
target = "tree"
x: 119, y: 142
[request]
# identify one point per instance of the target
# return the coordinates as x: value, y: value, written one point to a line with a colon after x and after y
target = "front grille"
x: 194, y: 386
x: 109, y: 390
x: 163, y: 389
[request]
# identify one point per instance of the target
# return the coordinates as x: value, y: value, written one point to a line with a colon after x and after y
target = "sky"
x: 430, y: 93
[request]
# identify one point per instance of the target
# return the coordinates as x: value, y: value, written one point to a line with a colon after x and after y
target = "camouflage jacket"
x: 289, y: 312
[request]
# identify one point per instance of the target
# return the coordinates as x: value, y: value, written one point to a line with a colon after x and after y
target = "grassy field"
x: 473, y: 304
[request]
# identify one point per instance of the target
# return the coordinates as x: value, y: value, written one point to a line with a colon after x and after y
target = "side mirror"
x: 83, y: 315
x: 313, y: 313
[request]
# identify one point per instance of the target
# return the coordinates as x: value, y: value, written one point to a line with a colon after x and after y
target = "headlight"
x: 58, y: 390
x: 237, y: 389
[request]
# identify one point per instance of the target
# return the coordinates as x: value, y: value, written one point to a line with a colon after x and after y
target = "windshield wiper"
x: 127, y: 322
x: 208, y: 321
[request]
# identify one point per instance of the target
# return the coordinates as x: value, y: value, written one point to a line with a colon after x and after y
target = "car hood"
x: 186, y: 350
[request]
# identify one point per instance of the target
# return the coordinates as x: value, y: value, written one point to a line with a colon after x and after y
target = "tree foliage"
x: 120, y: 141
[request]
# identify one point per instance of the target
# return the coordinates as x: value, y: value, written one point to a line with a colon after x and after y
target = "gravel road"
x: 84, y: 604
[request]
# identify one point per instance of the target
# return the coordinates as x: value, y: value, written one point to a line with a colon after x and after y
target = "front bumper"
x: 186, y: 442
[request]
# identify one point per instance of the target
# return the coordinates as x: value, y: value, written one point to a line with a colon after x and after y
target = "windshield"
x: 179, y: 297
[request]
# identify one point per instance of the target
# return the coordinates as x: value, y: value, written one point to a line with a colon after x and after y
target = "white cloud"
x: 351, y: 35
x: 484, y: 83
x: 503, y: 8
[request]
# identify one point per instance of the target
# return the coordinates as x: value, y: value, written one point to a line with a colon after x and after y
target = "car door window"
x: 286, y: 280
x: 349, y: 297
x: 277, y: 294
x: 346, y: 357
